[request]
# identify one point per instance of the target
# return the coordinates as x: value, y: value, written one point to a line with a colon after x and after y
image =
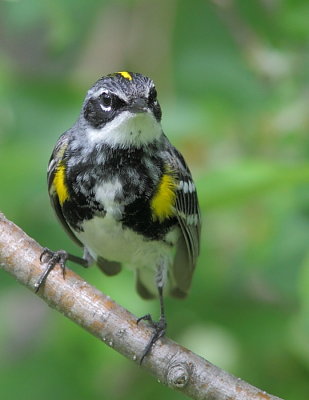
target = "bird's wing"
x: 189, y: 219
x: 57, y: 185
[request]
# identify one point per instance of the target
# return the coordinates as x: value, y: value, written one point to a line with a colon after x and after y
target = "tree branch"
x: 171, y: 364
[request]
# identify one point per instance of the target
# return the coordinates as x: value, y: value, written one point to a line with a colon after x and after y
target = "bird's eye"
x: 152, y: 97
x: 106, y: 100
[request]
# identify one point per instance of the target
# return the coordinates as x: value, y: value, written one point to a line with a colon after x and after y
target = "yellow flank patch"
x: 60, y: 184
x: 163, y: 202
x: 126, y: 75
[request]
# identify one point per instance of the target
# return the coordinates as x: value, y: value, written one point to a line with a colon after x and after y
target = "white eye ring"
x: 106, y: 101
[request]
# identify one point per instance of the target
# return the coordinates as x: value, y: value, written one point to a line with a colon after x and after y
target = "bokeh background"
x: 232, y: 78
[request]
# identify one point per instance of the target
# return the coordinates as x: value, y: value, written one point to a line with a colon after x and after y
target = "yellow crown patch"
x: 126, y: 75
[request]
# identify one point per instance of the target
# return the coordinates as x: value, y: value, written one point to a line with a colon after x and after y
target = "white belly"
x: 105, y: 237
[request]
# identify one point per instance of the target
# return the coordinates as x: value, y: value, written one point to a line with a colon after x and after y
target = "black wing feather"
x: 189, y: 219
x: 54, y: 162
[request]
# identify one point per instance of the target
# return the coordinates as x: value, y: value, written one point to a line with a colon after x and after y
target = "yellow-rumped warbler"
x: 124, y: 193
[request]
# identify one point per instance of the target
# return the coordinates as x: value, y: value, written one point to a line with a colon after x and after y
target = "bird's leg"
x: 161, y: 325
x: 52, y: 258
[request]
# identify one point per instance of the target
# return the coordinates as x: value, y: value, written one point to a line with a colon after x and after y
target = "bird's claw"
x: 51, y: 258
x: 159, y: 331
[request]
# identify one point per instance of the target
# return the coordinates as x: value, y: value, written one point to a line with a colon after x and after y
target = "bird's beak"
x: 139, y: 106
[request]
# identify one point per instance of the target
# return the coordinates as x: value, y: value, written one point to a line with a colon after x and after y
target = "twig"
x: 171, y: 364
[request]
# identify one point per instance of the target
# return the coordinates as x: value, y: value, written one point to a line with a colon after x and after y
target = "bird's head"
x: 121, y: 109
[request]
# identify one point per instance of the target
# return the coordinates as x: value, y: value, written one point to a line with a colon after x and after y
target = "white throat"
x: 126, y: 130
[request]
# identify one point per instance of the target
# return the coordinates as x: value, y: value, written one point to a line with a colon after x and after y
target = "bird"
x: 125, y: 194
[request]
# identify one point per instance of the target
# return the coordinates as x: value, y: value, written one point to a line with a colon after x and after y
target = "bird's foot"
x: 159, y: 331
x: 51, y: 258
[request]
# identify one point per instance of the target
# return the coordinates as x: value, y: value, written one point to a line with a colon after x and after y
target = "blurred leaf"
x: 237, y: 183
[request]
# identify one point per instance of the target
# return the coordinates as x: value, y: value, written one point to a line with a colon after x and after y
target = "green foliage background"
x: 233, y: 83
